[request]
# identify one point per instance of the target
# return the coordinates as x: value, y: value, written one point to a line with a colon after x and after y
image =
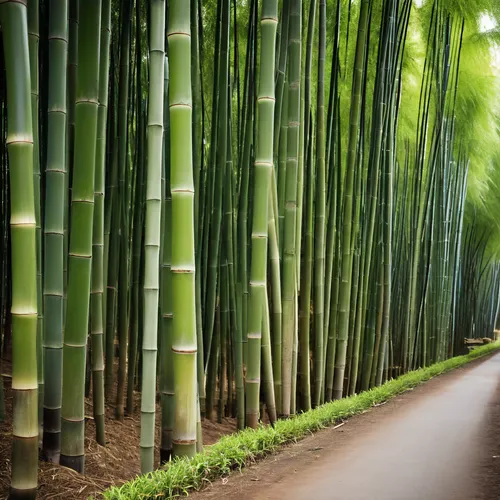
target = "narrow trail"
x: 440, y: 441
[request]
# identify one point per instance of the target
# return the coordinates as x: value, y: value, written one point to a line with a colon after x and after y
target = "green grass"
x: 239, y: 449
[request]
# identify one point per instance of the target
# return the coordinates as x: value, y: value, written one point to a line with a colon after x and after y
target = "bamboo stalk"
x: 184, y: 342
x: 152, y: 232
x: 55, y: 174
x: 80, y: 250
x: 13, y: 17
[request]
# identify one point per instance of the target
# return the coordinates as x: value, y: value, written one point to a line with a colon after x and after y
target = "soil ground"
x: 118, y: 462
x: 440, y: 441
x: 321, y: 465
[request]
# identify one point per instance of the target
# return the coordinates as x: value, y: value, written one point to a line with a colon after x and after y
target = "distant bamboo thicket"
x: 258, y: 239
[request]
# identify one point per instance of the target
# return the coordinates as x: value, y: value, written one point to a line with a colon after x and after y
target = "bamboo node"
x: 266, y: 98
x: 181, y: 105
x: 184, y: 441
x: 184, y: 350
x: 270, y: 20
x: 257, y: 283
x: 254, y: 335
x: 184, y: 269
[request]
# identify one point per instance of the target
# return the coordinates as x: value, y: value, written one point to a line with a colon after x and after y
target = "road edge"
x: 237, y: 450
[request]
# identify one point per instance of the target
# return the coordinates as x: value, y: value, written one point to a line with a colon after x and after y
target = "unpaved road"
x: 440, y: 441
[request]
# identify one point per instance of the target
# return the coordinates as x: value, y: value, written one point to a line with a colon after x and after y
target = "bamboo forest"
x: 217, y: 214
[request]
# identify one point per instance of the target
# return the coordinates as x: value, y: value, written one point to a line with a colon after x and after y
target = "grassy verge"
x: 234, y: 451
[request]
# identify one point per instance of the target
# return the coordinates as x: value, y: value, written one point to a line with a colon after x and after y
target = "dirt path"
x: 440, y: 441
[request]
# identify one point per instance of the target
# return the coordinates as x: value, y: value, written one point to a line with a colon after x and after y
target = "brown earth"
x: 324, y: 465
x: 440, y: 441
x: 116, y: 463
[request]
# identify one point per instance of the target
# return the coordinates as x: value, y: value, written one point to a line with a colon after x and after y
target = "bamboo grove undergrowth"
x: 228, y: 208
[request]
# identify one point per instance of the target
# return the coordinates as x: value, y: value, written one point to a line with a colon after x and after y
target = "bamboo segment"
x: 303, y: 368
x: 137, y: 223
x: 262, y: 171
x: 55, y: 174
x: 80, y: 250
x: 33, y: 43
x: 122, y: 207
x: 320, y: 216
x: 97, y: 285
x: 13, y: 17
x: 152, y: 232
x: 166, y: 363
x: 184, y: 340
x: 220, y: 162
x: 275, y: 274
x: 289, y: 287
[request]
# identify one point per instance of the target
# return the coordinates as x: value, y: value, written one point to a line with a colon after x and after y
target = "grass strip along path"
x: 236, y: 450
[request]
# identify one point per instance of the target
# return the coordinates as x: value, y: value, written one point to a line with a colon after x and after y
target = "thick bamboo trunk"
x: 97, y: 292
x: 55, y: 179
x: 289, y: 289
x: 152, y: 232
x: 262, y: 172
x: 184, y: 341
x: 80, y: 249
x: 13, y: 18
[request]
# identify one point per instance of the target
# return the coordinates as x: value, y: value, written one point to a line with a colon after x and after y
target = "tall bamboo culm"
x: 184, y: 342
x: 290, y: 286
x: 262, y: 176
x: 34, y: 50
x: 97, y: 292
x: 55, y: 179
x: 152, y: 232
x: 13, y: 18
x: 80, y: 238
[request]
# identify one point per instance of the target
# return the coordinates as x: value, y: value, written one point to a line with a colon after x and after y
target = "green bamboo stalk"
x: 13, y: 17
x: 224, y: 326
x: 304, y: 368
x: 97, y: 290
x: 210, y: 190
x: 112, y: 243
x: 305, y: 118
x: 198, y: 160
x: 282, y: 48
x: 137, y: 223
x: 234, y: 324
x: 388, y: 188
x: 320, y: 215
x: 222, y: 141
x: 334, y: 245
x: 213, y: 364
x: 275, y: 273
x: 123, y: 317
x: 122, y: 205
x: 345, y: 283
x: 117, y: 194
x: 74, y: 14
x: 267, y: 368
x: 80, y: 255
x: 184, y: 343
x: 152, y: 231
x: 33, y: 43
x: 243, y: 206
x: 295, y: 354
x: 281, y: 170
x: 262, y: 172
x: 166, y: 362
x: 290, y: 230
x: 55, y: 174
